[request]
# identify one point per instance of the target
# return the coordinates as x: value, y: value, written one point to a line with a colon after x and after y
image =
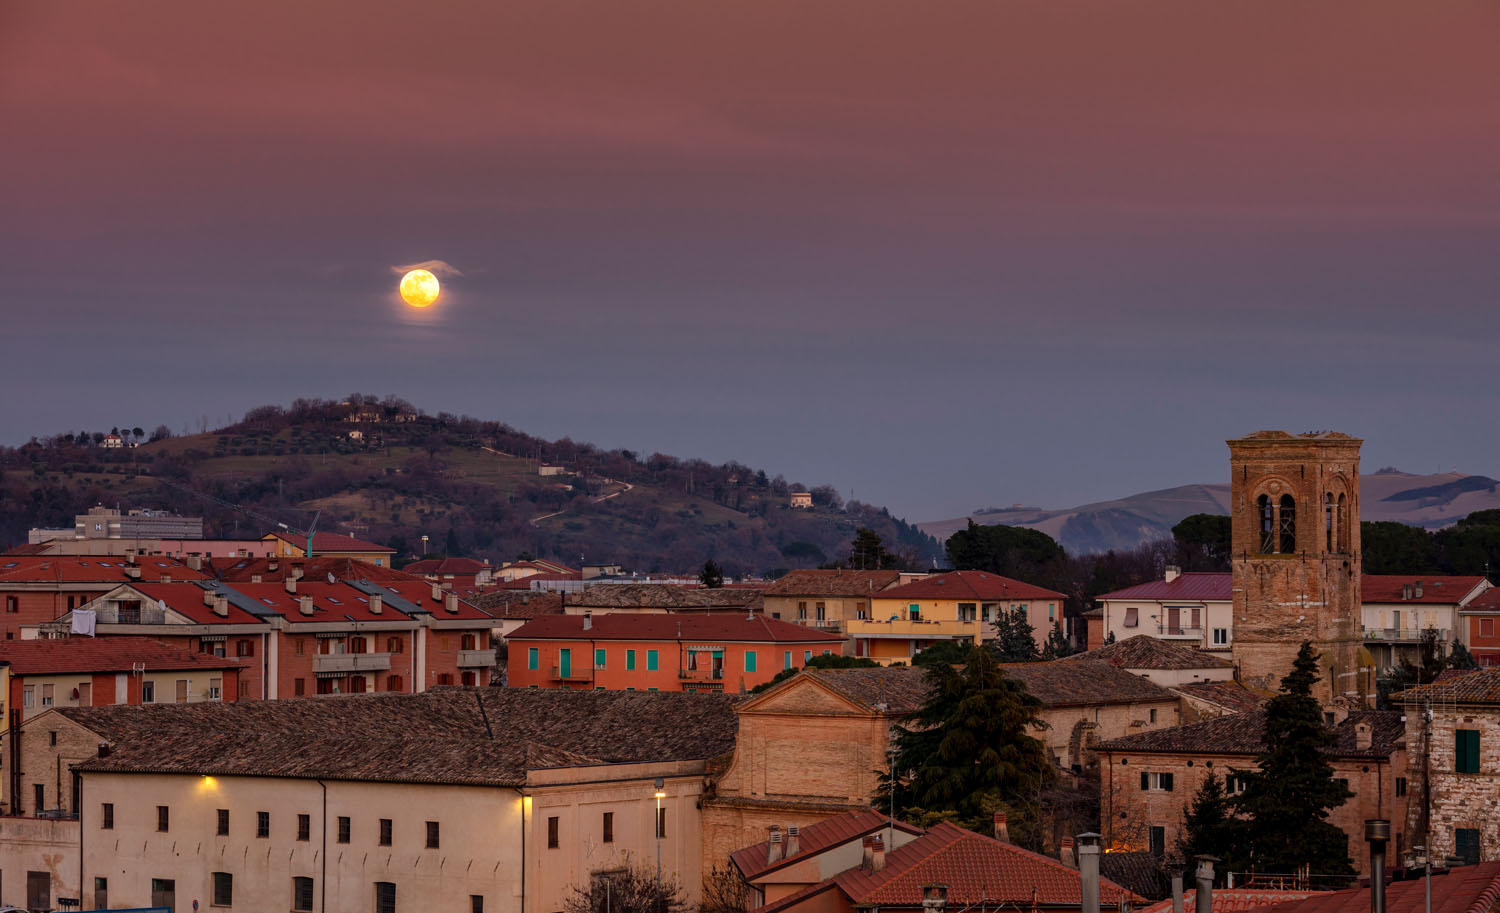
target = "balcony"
x: 131, y: 615
x: 701, y: 675
x: 1186, y: 632
x: 908, y: 629
x: 469, y: 659
x: 582, y: 673
x: 1405, y: 635
x: 352, y: 662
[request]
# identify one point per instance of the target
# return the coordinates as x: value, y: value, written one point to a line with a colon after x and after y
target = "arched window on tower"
x: 1267, y: 527
x: 1343, y: 524
x: 1328, y: 520
x: 1288, y: 525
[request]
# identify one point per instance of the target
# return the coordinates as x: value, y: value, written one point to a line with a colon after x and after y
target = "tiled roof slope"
x: 832, y: 583
x: 466, y: 567
x: 1191, y: 587
x: 903, y: 689
x: 1241, y: 733
x: 241, y: 570
x: 334, y: 542
x: 1229, y: 900
x: 186, y: 599
x: 103, y: 654
x: 697, y: 627
x: 1139, y: 871
x: 1145, y: 652
x: 975, y: 868
x: 440, y: 736
x: 814, y: 839
x: 900, y: 689
x: 1481, y: 686
x: 1488, y: 601
x: 90, y: 569
x: 1469, y: 889
x: 976, y: 585
x: 1385, y: 588
x: 665, y: 596
x: 1231, y: 695
x: 518, y: 603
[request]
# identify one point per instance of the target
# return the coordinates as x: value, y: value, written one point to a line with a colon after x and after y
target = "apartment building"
x: 958, y: 605
x: 827, y: 599
x: 1397, y: 609
x: 656, y: 652
x: 329, y: 545
x: 39, y: 588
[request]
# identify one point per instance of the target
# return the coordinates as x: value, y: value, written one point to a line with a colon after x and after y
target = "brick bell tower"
x: 1295, y: 541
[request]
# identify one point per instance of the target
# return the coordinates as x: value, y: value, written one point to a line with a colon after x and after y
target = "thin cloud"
x: 440, y: 268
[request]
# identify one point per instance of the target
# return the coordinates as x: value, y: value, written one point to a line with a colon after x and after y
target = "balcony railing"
x: 1170, y: 630
x: 1405, y: 635
x: 701, y: 675
x: 352, y: 662
x: 576, y: 674
x: 909, y: 628
x: 476, y: 658
x: 126, y: 615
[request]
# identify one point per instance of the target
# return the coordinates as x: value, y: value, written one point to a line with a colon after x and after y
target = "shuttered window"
x: 1466, y: 751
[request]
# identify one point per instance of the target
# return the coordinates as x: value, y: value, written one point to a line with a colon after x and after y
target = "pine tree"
x: 1015, y: 638
x: 970, y: 750
x: 1057, y: 645
x: 1287, y: 800
x: 1208, y: 828
x: 712, y: 576
x: 1461, y: 658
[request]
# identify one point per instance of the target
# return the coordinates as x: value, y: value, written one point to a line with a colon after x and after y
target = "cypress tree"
x: 1208, y: 827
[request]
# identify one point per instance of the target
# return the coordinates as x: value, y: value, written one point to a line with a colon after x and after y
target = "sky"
x: 941, y: 256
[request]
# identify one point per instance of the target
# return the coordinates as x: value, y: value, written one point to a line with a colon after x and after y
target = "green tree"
x: 450, y: 545
x: 1010, y: 551
x: 1202, y: 542
x: 1395, y: 548
x: 830, y: 661
x: 1015, y: 638
x: 970, y: 751
x: 943, y: 652
x: 712, y: 576
x: 1287, y: 800
x: 1470, y: 546
x: 867, y: 552
x: 1461, y: 658
x: 1057, y: 644
x: 1208, y: 825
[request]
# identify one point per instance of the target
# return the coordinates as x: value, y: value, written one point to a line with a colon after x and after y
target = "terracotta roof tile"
x: 1385, y: 588
x: 240, y: 570
x: 90, y: 569
x: 459, y: 567
x: 1231, y: 695
x: 1230, y: 900
x: 693, y: 626
x: 1138, y: 871
x: 1145, y: 652
x: 1469, y: 889
x: 832, y: 583
x: 518, y: 603
x: 814, y: 839
x: 1190, y: 587
x: 1482, y: 686
x: 334, y: 542
x: 186, y: 599
x: 666, y: 596
x: 903, y: 689
x: 900, y: 689
x: 977, y: 585
x: 103, y: 654
x: 1241, y: 733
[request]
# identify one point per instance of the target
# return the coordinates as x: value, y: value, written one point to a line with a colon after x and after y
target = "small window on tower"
x: 1267, y: 529
x: 1288, y: 525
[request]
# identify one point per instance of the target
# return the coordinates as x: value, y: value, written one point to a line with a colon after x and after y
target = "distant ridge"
x: 1428, y: 501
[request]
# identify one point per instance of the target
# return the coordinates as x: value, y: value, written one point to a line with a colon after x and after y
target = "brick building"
x: 1148, y: 780
x: 656, y: 652
x: 38, y: 589
x: 1479, y: 620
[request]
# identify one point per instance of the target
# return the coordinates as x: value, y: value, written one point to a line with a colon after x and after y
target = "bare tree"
x: 631, y: 888
x: 725, y: 891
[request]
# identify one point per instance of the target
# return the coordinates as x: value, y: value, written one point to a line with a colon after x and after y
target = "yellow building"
x: 826, y: 599
x: 330, y: 545
x: 959, y: 605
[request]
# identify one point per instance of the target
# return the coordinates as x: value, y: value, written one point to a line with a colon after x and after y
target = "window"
x: 1132, y: 617
x: 806, y: 655
x: 301, y: 645
x: 651, y: 661
x: 1267, y: 524
x: 304, y: 827
x: 801, y: 611
x: 1466, y: 844
x: 1288, y: 525
x: 609, y: 827
x: 1161, y: 782
x: 1466, y: 751
x: 162, y: 816
x: 223, y: 822
x: 262, y: 824
x: 223, y: 889
x: 1153, y: 716
x: 432, y: 835
x: 661, y: 824
x: 182, y: 691
x: 101, y: 893
x: 1158, y: 840
x: 28, y: 696
x: 107, y: 816
x: 552, y: 833
x: 394, y: 683
x: 476, y: 903
x: 244, y: 688
x: 148, y: 692
x: 385, y: 897
x: 630, y: 660
x: 302, y: 895
x: 40, y: 795
x: 1051, y: 611
x: 1486, y: 627
x: 393, y: 645
x: 299, y: 687
x: 385, y: 832
x: 215, y: 688
x: 531, y: 658
x: 49, y: 693
x: 1234, y: 785
x: 1328, y: 519
x: 244, y: 648
x: 749, y: 660
x: 1221, y: 636
x: 1400, y: 787
x: 12, y: 604
x: 52, y: 737
x: 915, y: 611
x: 599, y: 658
x: 786, y: 659
x: 343, y: 836
x: 822, y: 611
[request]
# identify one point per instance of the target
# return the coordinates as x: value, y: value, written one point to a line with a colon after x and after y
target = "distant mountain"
x: 1428, y: 501
x: 385, y: 471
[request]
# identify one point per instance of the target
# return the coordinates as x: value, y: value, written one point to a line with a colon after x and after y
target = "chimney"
x: 867, y: 859
x: 1088, y: 871
x: 221, y: 606
x: 1002, y: 832
x: 103, y: 749
x: 1377, y: 834
x: 793, y: 841
x: 877, y: 853
x: 291, y: 585
x: 1416, y: 591
x: 272, y: 566
x: 437, y: 593
x: 297, y: 572
x: 132, y: 573
x: 1177, y: 889
x: 195, y: 562
x: 773, y: 853
x: 208, y: 597
x: 934, y: 898
x: 1066, y: 853
x: 1204, y: 898
x: 450, y: 604
x: 305, y: 605
x: 130, y: 556
x: 255, y: 578
x: 166, y: 578
x: 1405, y: 592
x: 1363, y: 735
x: 377, y: 603
x: 588, y: 621
x: 1173, y: 572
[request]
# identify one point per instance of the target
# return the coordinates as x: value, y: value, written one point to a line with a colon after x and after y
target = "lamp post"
x: 661, y: 793
x: 424, y: 546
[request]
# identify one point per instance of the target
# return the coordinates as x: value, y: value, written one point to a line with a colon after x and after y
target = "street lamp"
x: 661, y: 793
x: 424, y: 546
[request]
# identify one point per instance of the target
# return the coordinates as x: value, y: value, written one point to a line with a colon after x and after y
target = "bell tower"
x: 1296, y: 562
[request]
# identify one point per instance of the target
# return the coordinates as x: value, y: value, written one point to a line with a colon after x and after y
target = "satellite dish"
x: 330, y: 577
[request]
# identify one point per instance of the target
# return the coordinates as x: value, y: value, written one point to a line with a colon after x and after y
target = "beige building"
x: 958, y: 605
x: 1193, y: 609
x: 456, y: 799
x: 826, y: 599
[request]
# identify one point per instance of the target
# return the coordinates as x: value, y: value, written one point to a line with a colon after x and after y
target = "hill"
x: 386, y: 471
x: 1427, y: 501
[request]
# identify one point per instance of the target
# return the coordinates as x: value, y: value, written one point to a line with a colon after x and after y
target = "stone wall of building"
x: 1458, y: 800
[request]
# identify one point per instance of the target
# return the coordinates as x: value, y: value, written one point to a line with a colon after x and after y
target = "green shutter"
x: 531, y: 657
x: 787, y: 659
x: 749, y: 660
x: 630, y: 660
x: 598, y: 657
x: 651, y: 662
x: 1466, y: 751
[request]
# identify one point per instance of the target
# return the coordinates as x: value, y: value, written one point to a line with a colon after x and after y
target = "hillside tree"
x: 1015, y: 638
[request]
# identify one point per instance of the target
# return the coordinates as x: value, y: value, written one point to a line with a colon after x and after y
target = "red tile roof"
x: 459, y: 567
x: 974, y: 867
x: 342, y: 602
x: 419, y: 594
x: 232, y: 570
x: 90, y: 569
x: 1231, y: 900
x: 695, y: 626
x: 187, y: 599
x: 1145, y: 652
x: 1469, y: 889
x: 814, y: 839
x: 1481, y: 686
x: 102, y: 654
x: 832, y: 583
x: 334, y: 542
x: 1488, y: 601
x: 978, y: 585
x: 1191, y: 587
x: 1441, y: 590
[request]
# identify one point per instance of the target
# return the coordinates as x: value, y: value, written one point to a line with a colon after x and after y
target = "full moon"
x: 419, y: 288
